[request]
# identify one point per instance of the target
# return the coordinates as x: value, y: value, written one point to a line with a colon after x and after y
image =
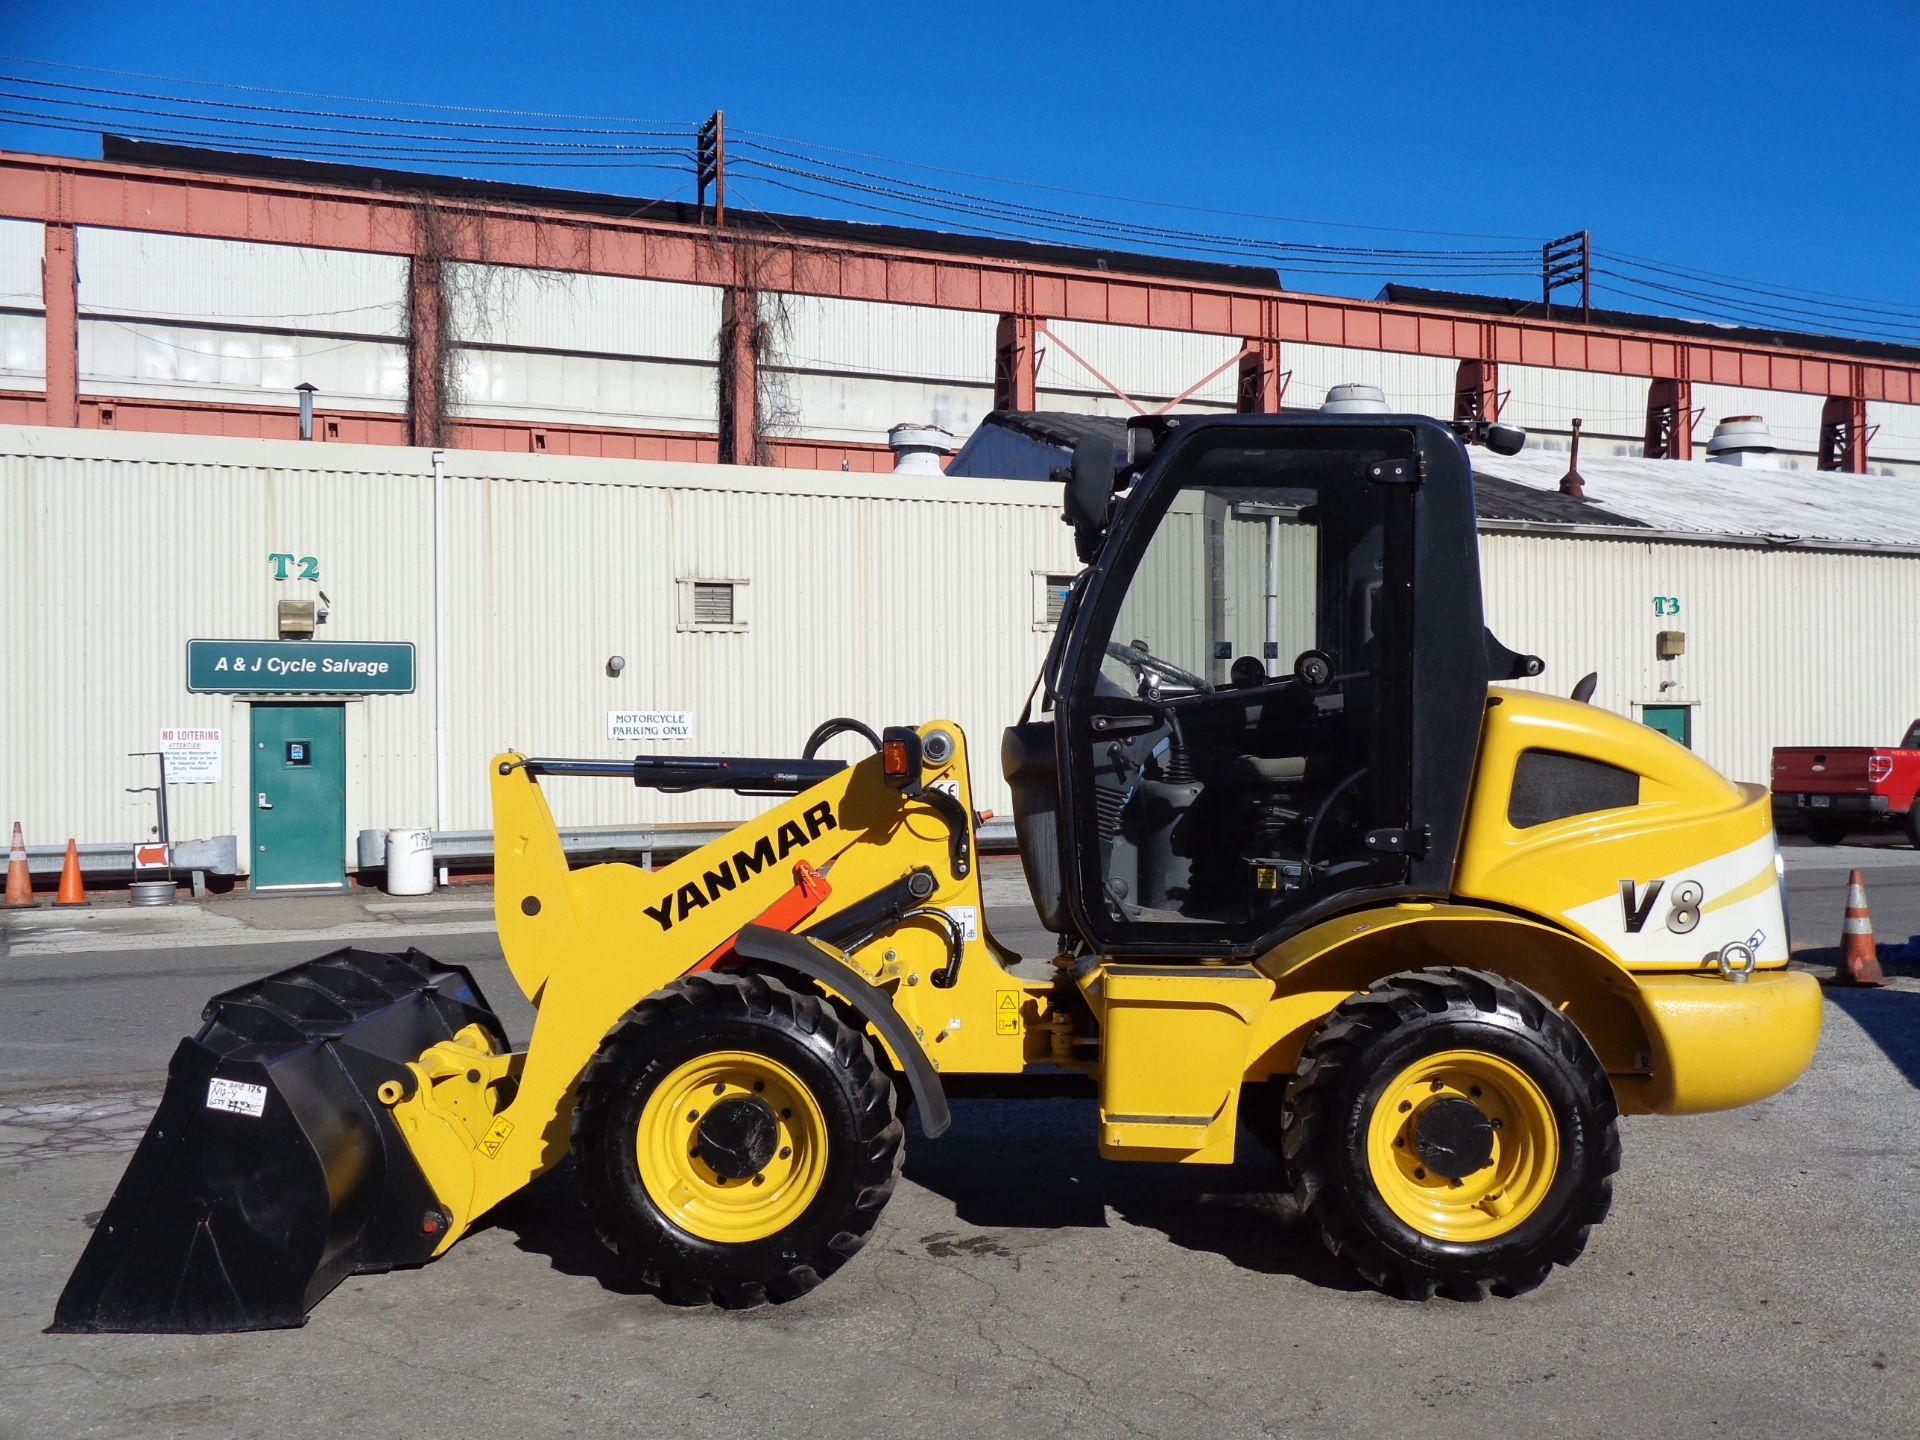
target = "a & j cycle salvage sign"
x: 300, y: 667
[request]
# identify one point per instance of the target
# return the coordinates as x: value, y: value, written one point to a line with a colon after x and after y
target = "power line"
x: 349, y: 99
x: 320, y: 149
x: 1771, y: 292
x: 1319, y: 265
x: 1784, y: 289
x: 1129, y: 226
x: 487, y: 143
x: 487, y: 125
x: 1126, y: 199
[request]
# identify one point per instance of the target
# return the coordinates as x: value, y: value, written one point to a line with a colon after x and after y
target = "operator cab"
x: 1267, y: 686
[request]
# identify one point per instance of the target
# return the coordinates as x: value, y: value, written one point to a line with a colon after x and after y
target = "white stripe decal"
x: 1731, y: 909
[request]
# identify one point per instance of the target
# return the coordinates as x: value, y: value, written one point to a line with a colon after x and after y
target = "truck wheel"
x: 1826, y: 830
x: 1913, y: 825
x: 734, y: 1141
x: 1449, y: 1130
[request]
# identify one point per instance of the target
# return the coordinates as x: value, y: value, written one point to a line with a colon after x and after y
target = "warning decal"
x: 496, y: 1137
x: 236, y: 1097
x: 1006, y: 1015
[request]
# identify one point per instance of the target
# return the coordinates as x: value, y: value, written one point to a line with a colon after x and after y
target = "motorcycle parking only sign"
x: 192, y: 755
x: 650, y: 725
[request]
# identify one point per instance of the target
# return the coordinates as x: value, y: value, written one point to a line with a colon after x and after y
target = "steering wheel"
x: 1146, y: 666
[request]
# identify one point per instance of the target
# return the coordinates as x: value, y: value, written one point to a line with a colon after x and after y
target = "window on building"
x: 1050, y: 597
x: 712, y: 604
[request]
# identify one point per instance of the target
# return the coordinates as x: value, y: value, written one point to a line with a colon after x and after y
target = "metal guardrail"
x: 466, y: 849
x: 217, y: 856
x: 646, y: 843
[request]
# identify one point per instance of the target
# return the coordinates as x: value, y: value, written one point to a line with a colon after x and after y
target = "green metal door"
x: 1673, y: 721
x: 299, y: 796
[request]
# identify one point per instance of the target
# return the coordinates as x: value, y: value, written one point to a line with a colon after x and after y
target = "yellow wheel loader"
x: 1311, y: 866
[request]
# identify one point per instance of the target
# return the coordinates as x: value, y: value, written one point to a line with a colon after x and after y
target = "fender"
x: 757, y: 942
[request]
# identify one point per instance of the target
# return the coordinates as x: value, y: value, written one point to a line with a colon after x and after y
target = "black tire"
x: 1826, y: 829
x: 1913, y: 825
x: 861, y: 1137
x: 1339, y: 1108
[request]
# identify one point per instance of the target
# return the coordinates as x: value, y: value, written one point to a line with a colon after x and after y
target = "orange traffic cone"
x: 71, y: 891
x: 1859, y: 957
x: 19, y: 886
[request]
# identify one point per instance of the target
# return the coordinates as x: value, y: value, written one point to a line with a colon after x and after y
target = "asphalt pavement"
x: 1759, y: 1275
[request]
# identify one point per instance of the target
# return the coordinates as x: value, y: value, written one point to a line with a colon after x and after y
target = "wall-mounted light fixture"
x: 615, y: 664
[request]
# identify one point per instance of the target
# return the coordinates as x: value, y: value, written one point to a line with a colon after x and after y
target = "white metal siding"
x: 23, y: 352
x: 115, y: 549
x: 862, y: 408
x: 581, y: 313
x: 22, y: 245
x: 1146, y: 364
x: 179, y: 362
x: 236, y: 282
x: 558, y: 563
x: 583, y: 389
x: 1418, y: 384
x: 1543, y: 399
x: 1898, y: 435
x: 1783, y: 647
x: 113, y: 563
x: 865, y: 337
x: 1793, y: 418
x: 1082, y: 402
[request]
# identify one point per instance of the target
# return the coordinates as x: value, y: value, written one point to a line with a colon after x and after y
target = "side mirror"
x: 1505, y: 439
x: 1090, y: 485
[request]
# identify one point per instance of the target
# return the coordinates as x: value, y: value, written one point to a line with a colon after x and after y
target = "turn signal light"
x: 893, y: 759
x: 1879, y: 767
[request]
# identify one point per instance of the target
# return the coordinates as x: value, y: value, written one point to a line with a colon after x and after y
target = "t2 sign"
x: 281, y: 559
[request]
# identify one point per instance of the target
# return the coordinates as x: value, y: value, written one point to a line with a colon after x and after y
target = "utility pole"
x: 1562, y: 262
x: 710, y: 165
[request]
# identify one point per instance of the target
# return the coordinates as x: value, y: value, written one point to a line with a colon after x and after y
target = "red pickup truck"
x: 1836, y: 791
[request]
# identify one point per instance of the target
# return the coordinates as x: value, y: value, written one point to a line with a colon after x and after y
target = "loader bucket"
x: 271, y: 1170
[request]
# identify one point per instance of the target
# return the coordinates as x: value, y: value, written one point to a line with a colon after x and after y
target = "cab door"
x: 1235, y: 718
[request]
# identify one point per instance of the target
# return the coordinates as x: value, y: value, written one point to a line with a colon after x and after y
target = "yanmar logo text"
x: 744, y: 865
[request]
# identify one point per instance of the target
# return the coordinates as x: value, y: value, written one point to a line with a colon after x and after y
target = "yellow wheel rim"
x: 1498, y: 1196
x: 690, y: 1192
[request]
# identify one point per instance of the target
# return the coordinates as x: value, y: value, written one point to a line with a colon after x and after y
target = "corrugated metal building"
x: 753, y: 603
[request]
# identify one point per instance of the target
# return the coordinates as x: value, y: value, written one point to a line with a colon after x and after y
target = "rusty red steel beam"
x: 62, y: 191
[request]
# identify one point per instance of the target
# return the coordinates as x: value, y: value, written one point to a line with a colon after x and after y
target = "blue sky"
x: 1767, y: 142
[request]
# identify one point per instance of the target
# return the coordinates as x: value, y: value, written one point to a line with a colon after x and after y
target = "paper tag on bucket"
x: 236, y: 1097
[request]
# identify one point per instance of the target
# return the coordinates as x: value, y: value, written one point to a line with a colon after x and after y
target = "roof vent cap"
x: 917, y: 448
x: 1742, y: 440
x: 1355, y: 400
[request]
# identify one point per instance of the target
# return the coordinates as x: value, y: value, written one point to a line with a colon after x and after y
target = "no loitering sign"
x: 192, y: 754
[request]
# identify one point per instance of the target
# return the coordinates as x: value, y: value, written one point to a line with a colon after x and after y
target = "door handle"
x: 1125, y: 724
x: 263, y: 803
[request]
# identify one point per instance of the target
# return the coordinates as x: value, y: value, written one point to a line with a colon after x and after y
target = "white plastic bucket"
x: 409, y: 862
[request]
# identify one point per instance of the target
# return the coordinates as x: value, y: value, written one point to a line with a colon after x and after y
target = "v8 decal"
x: 1683, y: 915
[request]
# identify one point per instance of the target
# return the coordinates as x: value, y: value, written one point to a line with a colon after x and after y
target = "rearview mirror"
x: 1089, y: 500
x: 1504, y: 439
